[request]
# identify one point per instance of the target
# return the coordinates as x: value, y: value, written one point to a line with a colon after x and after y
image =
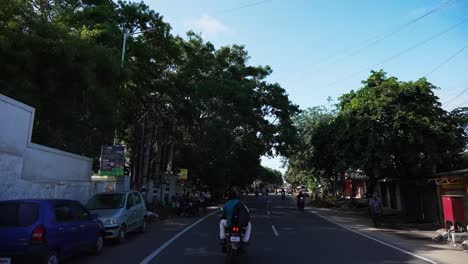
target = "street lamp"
x: 124, y: 44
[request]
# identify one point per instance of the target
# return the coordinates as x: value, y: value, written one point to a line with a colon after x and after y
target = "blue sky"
x: 308, y: 42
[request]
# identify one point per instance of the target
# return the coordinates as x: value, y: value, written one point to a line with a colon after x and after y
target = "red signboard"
x: 453, y: 210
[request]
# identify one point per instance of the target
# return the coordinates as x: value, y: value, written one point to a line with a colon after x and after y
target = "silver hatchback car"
x: 119, y: 212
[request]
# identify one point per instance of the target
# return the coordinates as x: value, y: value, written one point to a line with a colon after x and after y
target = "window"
x: 28, y: 214
x: 106, y: 201
x: 80, y: 213
x: 18, y: 214
x: 130, y: 202
x: 137, y: 198
x: 63, y: 213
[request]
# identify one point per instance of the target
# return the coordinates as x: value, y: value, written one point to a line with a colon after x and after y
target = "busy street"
x: 280, y: 233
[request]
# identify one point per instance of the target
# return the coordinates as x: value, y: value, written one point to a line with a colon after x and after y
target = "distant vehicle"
x: 301, y: 203
x: 47, y: 231
x: 120, y: 212
x: 305, y: 193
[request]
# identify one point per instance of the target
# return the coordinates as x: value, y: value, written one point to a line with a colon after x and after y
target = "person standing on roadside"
x: 376, y: 209
x: 203, y: 201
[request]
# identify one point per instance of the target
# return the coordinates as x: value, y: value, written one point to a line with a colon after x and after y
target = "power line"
x: 404, y: 51
x: 451, y: 96
x: 463, y: 104
x: 454, y: 91
x: 392, y: 32
x: 454, y: 98
x: 447, y: 60
x: 244, y: 6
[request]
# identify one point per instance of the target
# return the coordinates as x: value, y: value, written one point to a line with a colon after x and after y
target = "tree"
x: 313, y: 158
x: 392, y: 127
x: 387, y: 128
x: 225, y: 110
x: 205, y: 108
x: 73, y: 83
x: 269, y: 175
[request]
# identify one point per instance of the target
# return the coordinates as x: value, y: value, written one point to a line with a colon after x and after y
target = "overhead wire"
x: 403, y: 52
x: 447, y: 103
x: 463, y: 104
x: 451, y: 92
x: 244, y: 6
x: 446, y: 61
x: 392, y: 32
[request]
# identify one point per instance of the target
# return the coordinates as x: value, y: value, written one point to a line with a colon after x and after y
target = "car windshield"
x: 106, y: 201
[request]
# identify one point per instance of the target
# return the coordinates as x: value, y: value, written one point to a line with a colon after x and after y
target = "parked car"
x: 120, y: 212
x: 46, y: 231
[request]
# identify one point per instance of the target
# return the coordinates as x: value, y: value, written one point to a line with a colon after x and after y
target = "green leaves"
x: 231, y: 116
x: 63, y: 58
x: 386, y: 128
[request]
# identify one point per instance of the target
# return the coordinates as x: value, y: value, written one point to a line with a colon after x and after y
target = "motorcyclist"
x: 228, y: 212
x: 283, y: 193
x: 299, y: 197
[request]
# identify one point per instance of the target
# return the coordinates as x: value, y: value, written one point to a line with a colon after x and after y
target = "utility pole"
x: 122, y: 63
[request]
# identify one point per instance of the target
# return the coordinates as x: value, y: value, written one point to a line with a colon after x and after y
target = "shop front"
x: 452, y: 189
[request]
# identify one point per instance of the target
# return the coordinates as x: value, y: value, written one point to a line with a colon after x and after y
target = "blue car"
x: 46, y: 231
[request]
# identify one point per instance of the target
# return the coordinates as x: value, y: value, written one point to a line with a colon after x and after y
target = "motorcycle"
x: 283, y: 196
x: 301, y: 203
x: 192, y: 209
x: 234, y: 245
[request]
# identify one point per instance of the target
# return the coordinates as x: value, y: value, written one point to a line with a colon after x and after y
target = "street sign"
x: 183, y: 174
x: 112, y: 160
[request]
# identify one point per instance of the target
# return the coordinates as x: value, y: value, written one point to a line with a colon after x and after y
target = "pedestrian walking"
x: 375, y: 209
x: 203, y: 201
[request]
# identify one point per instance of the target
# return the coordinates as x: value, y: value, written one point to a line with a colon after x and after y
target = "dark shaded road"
x: 280, y: 234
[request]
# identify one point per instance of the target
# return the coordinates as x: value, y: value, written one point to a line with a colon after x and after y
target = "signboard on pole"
x: 112, y: 160
x: 183, y: 174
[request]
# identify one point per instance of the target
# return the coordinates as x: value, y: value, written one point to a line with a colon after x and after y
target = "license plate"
x: 235, y: 239
x: 5, y: 260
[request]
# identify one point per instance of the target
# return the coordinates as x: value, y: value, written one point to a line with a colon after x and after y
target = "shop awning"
x: 450, y: 177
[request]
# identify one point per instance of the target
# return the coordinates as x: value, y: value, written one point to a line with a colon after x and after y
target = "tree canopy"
x: 174, y: 102
x: 387, y: 128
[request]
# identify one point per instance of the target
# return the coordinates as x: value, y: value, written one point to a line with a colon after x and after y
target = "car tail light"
x: 38, y: 234
x: 235, y: 229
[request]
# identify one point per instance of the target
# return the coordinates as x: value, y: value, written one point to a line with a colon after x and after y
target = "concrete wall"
x: 42, y: 163
x: 29, y: 170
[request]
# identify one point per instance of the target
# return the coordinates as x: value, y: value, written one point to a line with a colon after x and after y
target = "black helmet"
x: 232, y: 195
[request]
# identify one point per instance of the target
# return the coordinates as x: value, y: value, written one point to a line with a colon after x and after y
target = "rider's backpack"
x: 240, y: 215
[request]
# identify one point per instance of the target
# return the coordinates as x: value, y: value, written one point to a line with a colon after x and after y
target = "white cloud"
x: 209, y: 26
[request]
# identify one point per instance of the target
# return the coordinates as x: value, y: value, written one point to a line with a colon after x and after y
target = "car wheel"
x: 99, y: 245
x: 122, y: 235
x: 143, y: 227
x: 52, y: 258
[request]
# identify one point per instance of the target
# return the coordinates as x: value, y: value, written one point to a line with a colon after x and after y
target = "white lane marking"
x: 274, y: 230
x: 376, y: 240
x: 151, y: 256
x: 268, y: 212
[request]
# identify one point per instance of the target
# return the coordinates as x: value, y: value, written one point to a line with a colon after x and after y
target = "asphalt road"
x: 280, y: 233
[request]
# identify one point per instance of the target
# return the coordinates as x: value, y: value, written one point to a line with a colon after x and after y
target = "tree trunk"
x: 147, y: 145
